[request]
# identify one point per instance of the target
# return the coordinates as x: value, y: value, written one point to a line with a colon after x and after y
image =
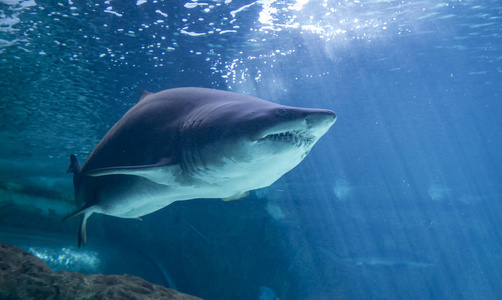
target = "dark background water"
x: 400, y: 199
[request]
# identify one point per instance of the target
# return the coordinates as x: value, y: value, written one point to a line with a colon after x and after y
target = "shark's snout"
x: 320, y: 118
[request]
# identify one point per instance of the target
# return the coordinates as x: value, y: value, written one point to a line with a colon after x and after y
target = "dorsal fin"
x: 144, y: 94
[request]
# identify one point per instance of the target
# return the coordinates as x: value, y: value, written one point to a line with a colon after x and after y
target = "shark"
x: 385, y: 259
x: 191, y: 143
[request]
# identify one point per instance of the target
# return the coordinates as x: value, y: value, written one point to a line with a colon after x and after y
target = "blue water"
x: 399, y: 200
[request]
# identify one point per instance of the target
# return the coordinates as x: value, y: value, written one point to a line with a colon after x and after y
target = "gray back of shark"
x: 189, y: 143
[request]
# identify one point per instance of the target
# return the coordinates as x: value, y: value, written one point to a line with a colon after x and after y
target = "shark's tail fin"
x: 82, y: 232
x: 82, y: 229
x: 75, y: 168
x: 86, y: 211
x: 74, y: 165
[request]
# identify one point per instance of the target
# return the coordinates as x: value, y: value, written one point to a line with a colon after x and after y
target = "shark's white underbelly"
x: 144, y: 198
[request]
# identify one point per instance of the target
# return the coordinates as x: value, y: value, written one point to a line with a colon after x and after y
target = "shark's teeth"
x: 293, y: 137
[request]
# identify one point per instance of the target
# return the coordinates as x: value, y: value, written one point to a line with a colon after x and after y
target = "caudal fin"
x: 74, y: 165
x: 76, y: 170
x: 82, y: 232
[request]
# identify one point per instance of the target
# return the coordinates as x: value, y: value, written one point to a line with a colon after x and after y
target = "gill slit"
x: 191, y: 158
x: 199, y: 163
x: 184, y: 145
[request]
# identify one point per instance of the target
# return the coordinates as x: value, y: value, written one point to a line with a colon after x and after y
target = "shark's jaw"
x: 302, y: 133
x: 295, y: 138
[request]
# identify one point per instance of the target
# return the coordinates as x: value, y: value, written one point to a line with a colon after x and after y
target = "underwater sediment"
x: 24, y: 276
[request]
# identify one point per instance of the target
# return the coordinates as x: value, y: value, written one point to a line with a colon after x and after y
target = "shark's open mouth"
x: 295, y: 137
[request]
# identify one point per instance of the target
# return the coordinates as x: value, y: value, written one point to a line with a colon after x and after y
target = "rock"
x: 24, y: 276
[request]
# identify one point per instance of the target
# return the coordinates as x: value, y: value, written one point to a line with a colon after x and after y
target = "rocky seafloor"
x: 24, y: 276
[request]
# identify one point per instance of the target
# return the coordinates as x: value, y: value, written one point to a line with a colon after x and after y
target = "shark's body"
x: 190, y: 143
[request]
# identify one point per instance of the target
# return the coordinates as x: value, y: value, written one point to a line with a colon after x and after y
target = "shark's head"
x: 255, y: 138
